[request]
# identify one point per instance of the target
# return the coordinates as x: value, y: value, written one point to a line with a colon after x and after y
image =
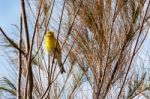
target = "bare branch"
x: 19, y: 62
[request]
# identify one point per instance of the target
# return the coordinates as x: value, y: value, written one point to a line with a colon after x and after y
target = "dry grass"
x: 99, y: 38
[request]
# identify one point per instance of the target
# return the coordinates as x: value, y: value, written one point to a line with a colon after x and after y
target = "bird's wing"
x: 58, y: 48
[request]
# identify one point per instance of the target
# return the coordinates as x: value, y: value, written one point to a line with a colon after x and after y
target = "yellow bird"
x: 50, y: 46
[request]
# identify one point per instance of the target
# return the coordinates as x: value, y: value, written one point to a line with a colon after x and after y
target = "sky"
x: 9, y: 14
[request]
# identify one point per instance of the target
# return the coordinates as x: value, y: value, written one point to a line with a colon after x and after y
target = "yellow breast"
x: 50, y: 45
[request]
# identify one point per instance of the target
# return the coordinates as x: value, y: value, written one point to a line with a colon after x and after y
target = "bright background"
x: 9, y: 15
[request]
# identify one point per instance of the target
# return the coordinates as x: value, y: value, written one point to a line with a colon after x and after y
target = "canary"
x: 50, y: 46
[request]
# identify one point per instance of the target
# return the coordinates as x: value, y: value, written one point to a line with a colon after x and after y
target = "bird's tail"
x: 62, y: 70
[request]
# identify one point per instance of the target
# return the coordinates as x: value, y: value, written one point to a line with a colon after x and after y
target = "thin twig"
x: 48, y: 87
x: 72, y: 24
x: 25, y: 24
x: 12, y: 42
x: 57, y: 38
x: 134, y: 51
x: 29, y: 72
x: 110, y: 40
x: 19, y: 62
x: 44, y: 31
x: 65, y: 81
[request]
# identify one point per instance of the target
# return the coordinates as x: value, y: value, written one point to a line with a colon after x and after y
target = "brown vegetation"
x: 100, y: 40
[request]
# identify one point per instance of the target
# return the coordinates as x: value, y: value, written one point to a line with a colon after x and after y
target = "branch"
x: 25, y: 25
x: 29, y: 64
x: 110, y: 40
x: 19, y: 62
x: 51, y: 71
x: 12, y: 42
x: 134, y: 51
x: 45, y: 30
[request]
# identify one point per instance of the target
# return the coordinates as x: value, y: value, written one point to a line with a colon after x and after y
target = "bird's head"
x: 49, y: 34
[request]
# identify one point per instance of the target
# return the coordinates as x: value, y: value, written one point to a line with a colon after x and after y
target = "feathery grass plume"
x: 100, y: 43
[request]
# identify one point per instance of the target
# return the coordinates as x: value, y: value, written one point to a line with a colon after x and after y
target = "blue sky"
x: 9, y: 14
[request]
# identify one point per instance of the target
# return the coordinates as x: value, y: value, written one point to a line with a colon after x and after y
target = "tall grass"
x: 100, y: 40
